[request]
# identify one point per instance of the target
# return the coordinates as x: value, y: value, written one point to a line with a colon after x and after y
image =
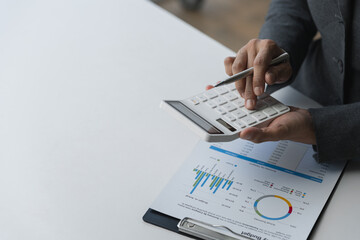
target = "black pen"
x: 280, y: 59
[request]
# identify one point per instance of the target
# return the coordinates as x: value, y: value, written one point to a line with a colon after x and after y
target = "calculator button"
x: 270, y: 100
x: 249, y: 120
x: 259, y: 116
x: 230, y: 117
x: 221, y: 90
x: 260, y: 105
x: 269, y: 111
x: 211, y: 104
x: 239, y: 124
x: 231, y: 87
x: 280, y: 107
x: 230, y: 96
x: 210, y: 94
x: 239, y: 114
x: 248, y: 111
x: 194, y: 101
x: 236, y: 93
x: 239, y: 102
x: 201, y: 98
x: 221, y: 110
x: 220, y: 101
x: 229, y: 107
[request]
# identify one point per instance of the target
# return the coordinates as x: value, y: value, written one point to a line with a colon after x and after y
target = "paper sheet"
x: 273, y: 190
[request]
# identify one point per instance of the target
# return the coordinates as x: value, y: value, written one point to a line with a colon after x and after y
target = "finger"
x: 259, y: 135
x: 240, y: 86
x: 278, y: 74
x: 261, y: 64
x: 250, y: 98
x: 240, y: 62
x: 228, y: 62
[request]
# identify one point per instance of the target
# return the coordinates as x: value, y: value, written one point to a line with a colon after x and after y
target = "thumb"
x: 278, y: 74
x: 259, y: 135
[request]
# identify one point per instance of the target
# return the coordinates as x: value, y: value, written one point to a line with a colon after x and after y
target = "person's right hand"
x: 257, y: 53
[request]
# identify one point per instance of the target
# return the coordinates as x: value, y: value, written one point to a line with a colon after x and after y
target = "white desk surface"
x: 84, y: 148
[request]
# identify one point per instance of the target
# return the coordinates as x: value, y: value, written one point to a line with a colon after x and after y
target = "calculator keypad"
x: 201, y: 98
x: 228, y: 105
x: 239, y: 124
x: 221, y: 91
x: 230, y: 87
x: 239, y: 102
x: 220, y: 101
x: 230, y: 96
x: 221, y: 110
x: 259, y: 116
x: 211, y: 104
x: 194, y: 101
x: 269, y: 111
x: 230, y: 117
x: 239, y: 113
x: 210, y: 94
x: 279, y: 107
x: 249, y: 120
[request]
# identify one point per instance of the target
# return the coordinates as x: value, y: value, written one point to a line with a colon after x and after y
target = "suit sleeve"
x: 337, y: 131
x: 290, y: 25
x: 337, y: 128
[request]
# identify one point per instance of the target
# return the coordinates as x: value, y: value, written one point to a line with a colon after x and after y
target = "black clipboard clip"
x: 207, y: 231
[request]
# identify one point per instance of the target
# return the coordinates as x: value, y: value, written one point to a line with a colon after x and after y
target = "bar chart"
x: 212, y: 181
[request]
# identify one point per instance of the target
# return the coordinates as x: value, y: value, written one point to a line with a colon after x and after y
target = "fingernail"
x: 258, y: 91
x: 250, y: 103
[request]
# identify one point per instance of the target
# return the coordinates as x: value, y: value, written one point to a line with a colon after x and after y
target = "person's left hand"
x: 295, y: 125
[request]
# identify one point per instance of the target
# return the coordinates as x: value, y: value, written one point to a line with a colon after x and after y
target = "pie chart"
x: 273, y: 207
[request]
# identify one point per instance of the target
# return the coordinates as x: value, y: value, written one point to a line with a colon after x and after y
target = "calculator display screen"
x: 209, y: 128
x: 225, y: 124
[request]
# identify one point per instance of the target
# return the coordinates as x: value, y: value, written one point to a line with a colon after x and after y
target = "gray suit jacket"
x: 327, y: 69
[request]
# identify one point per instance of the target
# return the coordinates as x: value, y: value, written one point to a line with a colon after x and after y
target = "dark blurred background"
x: 231, y: 22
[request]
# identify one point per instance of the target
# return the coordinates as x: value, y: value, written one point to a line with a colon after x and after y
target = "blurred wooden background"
x: 231, y: 22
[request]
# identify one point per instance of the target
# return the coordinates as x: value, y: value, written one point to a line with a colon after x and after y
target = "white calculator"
x: 219, y: 114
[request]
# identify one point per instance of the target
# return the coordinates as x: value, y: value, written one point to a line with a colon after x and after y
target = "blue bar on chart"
x: 215, y: 181
x: 225, y: 184
x: 218, y: 185
x: 230, y: 183
x: 208, y: 175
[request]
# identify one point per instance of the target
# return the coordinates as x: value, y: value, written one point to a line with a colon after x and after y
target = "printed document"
x: 273, y: 190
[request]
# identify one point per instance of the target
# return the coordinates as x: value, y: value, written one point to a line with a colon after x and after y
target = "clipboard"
x: 190, y: 227
x: 303, y: 184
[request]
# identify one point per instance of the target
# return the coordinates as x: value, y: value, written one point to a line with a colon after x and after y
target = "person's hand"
x: 295, y: 125
x: 257, y: 53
